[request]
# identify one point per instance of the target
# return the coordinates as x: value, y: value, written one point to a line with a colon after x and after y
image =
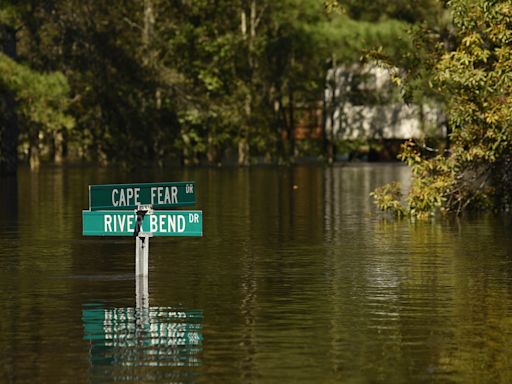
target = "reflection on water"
x: 298, y: 278
x: 125, y: 342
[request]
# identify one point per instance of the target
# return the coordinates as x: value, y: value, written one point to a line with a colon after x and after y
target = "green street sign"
x: 158, y: 223
x: 130, y: 196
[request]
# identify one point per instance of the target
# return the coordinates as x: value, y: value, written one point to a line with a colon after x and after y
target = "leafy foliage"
x: 43, y: 97
x: 388, y: 198
x: 475, y: 172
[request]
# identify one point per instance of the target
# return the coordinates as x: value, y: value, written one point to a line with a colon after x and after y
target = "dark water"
x: 296, y: 280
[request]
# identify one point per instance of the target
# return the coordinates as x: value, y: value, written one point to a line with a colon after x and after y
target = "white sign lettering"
x: 125, y: 197
x: 157, y: 223
x: 121, y: 223
x: 167, y: 223
x: 164, y: 195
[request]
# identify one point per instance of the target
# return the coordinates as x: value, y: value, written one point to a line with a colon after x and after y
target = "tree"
x: 35, y: 100
x: 42, y: 101
x: 476, y: 171
x: 8, y: 123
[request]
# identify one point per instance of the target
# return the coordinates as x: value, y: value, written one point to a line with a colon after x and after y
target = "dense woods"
x: 184, y: 81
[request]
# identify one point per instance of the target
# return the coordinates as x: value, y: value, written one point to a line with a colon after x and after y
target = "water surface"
x: 297, y: 279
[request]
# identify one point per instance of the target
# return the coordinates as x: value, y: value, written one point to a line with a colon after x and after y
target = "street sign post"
x: 131, y: 196
x: 130, y: 210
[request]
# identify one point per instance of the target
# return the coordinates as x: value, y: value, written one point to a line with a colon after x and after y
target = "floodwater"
x: 296, y: 280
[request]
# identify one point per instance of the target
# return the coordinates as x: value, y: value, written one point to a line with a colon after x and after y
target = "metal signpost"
x: 129, y: 210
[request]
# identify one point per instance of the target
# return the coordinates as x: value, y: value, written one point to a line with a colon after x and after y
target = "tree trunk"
x: 291, y: 126
x: 147, y: 33
x: 333, y: 106
x: 279, y: 124
x: 248, y: 34
x: 325, y: 138
x: 211, y: 153
x: 34, y: 158
x: 9, y: 126
x: 58, y: 147
x: 243, y: 151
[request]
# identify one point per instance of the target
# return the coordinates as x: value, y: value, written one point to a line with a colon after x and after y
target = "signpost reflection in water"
x: 138, y: 343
